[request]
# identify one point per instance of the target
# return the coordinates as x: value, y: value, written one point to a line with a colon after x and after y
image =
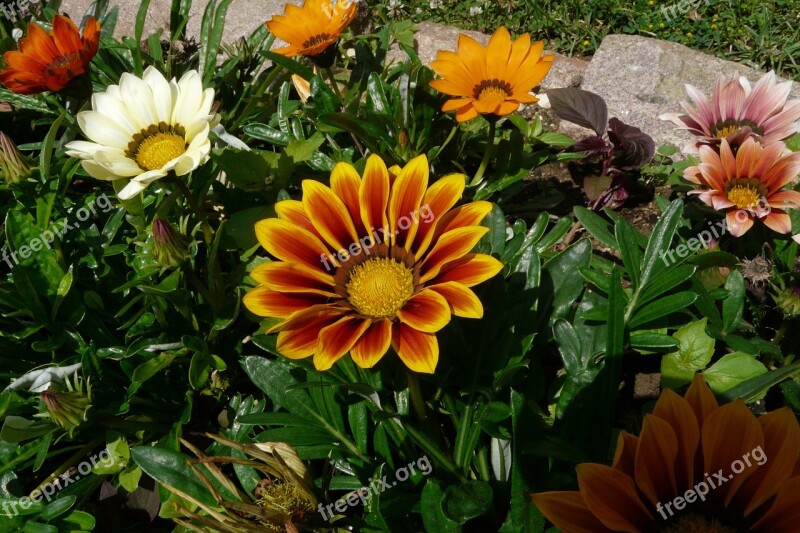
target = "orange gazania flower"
x: 695, y: 467
x: 490, y: 81
x: 370, y: 262
x: 312, y: 28
x: 48, y: 62
x: 747, y: 185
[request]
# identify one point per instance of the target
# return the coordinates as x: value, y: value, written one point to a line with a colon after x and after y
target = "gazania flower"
x: 490, y: 81
x: 371, y: 262
x: 311, y: 29
x: 737, y: 112
x: 747, y: 186
x: 145, y: 128
x: 48, y: 62
x: 695, y: 467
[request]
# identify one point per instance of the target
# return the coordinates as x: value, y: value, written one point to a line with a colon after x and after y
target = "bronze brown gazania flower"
x: 750, y: 466
x: 370, y: 262
x: 50, y: 61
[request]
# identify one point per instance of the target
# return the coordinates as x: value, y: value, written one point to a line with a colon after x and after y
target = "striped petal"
x: 419, y: 351
x: 427, y: 311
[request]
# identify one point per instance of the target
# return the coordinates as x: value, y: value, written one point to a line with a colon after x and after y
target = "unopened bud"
x: 14, y: 167
x: 171, y: 248
x: 302, y: 87
x: 788, y: 300
x: 68, y: 409
x: 402, y: 138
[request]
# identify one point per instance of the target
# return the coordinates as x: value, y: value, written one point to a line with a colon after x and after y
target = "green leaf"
x: 596, y: 225
x: 663, y: 307
x: 695, y: 350
x: 653, y: 341
x: 57, y: 507
x: 433, y: 516
x: 169, y: 468
x: 659, y: 241
x: 467, y: 500
x: 731, y: 370
x: 79, y: 521
x: 629, y: 250
x: 733, y: 304
x: 247, y: 170
x: 129, y: 478
x: 756, y: 387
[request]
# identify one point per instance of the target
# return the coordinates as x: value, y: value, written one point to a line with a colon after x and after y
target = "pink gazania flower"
x: 737, y: 111
x: 748, y: 185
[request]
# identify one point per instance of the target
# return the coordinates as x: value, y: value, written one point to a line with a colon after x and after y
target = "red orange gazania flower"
x: 309, y: 30
x: 370, y: 262
x: 493, y: 80
x: 685, y: 442
x: 49, y: 61
x: 747, y: 185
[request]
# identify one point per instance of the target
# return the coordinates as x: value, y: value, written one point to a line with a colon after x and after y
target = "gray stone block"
x: 641, y: 78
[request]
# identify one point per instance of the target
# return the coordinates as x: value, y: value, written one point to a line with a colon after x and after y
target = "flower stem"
x: 487, y: 156
x: 334, y: 85
x: 208, y: 231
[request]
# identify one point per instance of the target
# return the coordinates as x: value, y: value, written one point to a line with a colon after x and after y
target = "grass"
x: 763, y: 34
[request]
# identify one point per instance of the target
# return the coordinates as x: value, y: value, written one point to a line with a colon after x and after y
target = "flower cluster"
x: 744, y: 161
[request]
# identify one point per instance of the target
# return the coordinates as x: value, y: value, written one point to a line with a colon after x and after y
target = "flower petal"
x: 612, y: 498
x: 291, y: 243
x: 462, y: 301
x: 263, y: 301
x: 406, y: 198
x: 329, y: 215
x: 426, y: 311
x: 655, y: 460
x: 419, y: 351
x: 337, y: 339
x: 373, y: 344
x: 470, y: 270
x: 568, y: 512
x: 450, y: 246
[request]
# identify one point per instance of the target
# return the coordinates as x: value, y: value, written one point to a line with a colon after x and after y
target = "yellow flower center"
x: 59, y: 63
x: 378, y: 288
x: 743, y: 196
x: 724, y: 131
x: 154, y: 147
x: 697, y: 524
x: 492, y: 92
x: 317, y: 39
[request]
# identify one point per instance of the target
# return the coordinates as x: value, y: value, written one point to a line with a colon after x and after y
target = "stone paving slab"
x: 640, y: 78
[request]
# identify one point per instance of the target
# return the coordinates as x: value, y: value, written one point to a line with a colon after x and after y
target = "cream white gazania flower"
x: 144, y: 128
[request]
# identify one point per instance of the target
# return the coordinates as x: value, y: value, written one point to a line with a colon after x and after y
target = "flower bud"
x: 302, y: 87
x: 171, y: 248
x: 788, y: 300
x: 68, y: 409
x: 14, y: 167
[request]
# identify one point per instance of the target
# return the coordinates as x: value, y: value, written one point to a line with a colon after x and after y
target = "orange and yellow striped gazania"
x: 370, y: 262
x: 309, y: 30
x: 493, y: 80
x: 687, y: 441
x: 49, y: 61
